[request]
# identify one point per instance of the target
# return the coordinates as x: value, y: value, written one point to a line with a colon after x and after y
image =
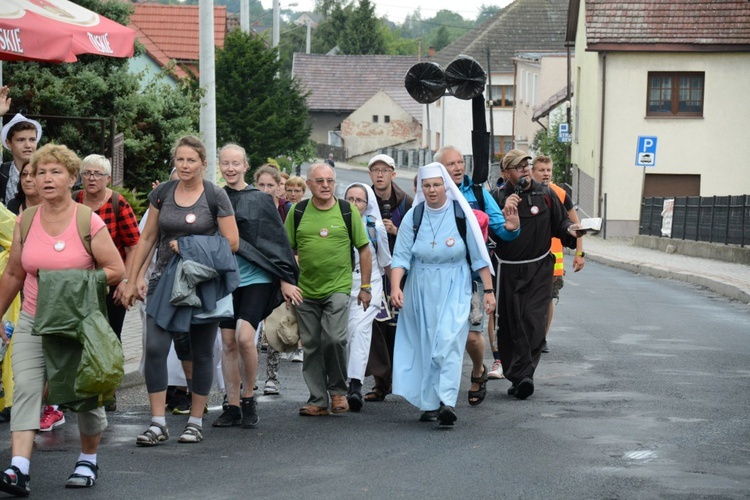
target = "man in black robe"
x: 524, y: 275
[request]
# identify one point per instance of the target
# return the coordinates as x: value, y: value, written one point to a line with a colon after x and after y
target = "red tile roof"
x: 172, y: 32
x: 668, y: 24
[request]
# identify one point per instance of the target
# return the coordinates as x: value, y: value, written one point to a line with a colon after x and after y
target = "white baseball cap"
x: 384, y: 158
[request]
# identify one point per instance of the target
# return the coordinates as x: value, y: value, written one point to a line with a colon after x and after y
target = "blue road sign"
x: 563, y: 133
x: 645, y: 155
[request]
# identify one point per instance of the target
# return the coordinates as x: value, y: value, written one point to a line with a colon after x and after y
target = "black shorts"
x: 250, y: 302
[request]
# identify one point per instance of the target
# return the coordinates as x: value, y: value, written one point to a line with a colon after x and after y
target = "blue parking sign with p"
x: 646, y: 153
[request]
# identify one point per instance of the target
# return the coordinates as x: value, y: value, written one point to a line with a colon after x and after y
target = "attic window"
x: 374, y: 118
x: 386, y: 119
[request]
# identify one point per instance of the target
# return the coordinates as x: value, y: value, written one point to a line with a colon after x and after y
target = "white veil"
x: 436, y: 169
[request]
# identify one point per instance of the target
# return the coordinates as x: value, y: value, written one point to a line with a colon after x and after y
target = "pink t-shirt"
x: 39, y: 252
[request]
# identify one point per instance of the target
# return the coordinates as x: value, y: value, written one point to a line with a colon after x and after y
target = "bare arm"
x: 13, y: 276
x: 578, y: 260
x: 142, y: 253
x: 121, y: 287
x: 365, y: 267
x: 107, y: 257
x: 397, y: 296
x: 228, y: 229
x: 489, y: 297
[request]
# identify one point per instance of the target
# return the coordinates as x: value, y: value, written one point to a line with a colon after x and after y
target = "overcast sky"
x: 397, y: 10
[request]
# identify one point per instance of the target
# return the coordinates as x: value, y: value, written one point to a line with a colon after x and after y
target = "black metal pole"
x: 492, y: 112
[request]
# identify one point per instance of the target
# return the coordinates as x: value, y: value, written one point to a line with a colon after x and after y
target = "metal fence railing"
x: 715, y: 219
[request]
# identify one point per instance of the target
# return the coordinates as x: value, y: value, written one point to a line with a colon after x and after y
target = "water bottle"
x: 9, y: 328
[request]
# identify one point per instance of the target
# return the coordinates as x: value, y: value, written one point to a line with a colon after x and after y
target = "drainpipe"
x: 601, y: 133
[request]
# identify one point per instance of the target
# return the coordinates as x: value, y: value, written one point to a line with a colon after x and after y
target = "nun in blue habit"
x: 435, y: 302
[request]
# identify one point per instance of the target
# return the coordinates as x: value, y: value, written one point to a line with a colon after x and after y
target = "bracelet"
x: 489, y: 290
x: 366, y: 290
x: 365, y: 287
x: 580, y: 254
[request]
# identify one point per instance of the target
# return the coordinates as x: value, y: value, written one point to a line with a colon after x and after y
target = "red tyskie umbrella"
x: 58, y: 31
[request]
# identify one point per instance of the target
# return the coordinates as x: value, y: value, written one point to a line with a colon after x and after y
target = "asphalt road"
x: 643, y: 395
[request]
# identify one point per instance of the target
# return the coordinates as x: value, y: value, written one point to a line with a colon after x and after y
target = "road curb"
x: 720, y: 287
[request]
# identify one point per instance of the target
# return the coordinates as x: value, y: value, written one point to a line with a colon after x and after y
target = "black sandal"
x: 376, y: 394
x: 79, y: 480
x: 476, y: 397
x: 17, y: 486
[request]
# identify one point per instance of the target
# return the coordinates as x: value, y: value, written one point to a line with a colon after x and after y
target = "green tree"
x: 442, y: 38
x: 328, y: 33
x: 362, y: 35
x: 486, y: 12
x: 397, y: 45
x: 545, y: 142
x: 292, y: 38
x: 326, y: 7
x: 103, y: 87
x: 264, y: 113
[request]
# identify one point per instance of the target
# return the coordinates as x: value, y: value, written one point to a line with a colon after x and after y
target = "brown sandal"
x: 376, y: 394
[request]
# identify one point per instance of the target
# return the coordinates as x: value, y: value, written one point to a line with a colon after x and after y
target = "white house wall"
x: 684, y: 145
x: 551, y: 74
x: 362, y: 136
x: 586, y: 126
x: 451, y: 118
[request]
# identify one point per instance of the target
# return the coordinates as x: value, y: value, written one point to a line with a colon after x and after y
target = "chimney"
x: 431, y: 52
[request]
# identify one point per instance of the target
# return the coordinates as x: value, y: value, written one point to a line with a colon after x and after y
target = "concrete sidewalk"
x: 725, y: 278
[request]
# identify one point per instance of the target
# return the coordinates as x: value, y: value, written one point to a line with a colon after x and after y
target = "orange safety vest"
x: 557, y: 248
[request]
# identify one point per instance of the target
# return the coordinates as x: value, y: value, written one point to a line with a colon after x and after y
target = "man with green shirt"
x: 324, y: 250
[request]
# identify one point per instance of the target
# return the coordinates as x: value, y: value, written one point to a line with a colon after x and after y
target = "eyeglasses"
x: 356, y: 200
x: 235, y: 164
x: 520, y: 167
x: 320, y: 182
x: 454, y: 163
x: 93, y: 175
x: 381, y: 172
x: 428, y: 187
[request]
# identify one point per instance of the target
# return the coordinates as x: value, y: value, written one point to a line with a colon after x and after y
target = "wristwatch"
x: 580, y: 254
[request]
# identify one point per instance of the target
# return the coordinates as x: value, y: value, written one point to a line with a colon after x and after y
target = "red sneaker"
x: 50, y: 419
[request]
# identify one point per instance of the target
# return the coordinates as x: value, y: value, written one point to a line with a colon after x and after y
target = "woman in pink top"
x: 52, y: 243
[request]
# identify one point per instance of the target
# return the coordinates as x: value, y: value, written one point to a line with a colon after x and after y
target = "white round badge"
x: 450, y: 242
x: 534, y: 210
x: 323, y: 233
x: 59, y: 246
x: 190, y: 218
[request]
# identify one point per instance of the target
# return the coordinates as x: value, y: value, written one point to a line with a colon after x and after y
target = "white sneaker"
x: 497, y: 371
x: 297, y: 356
x: 271, y: 388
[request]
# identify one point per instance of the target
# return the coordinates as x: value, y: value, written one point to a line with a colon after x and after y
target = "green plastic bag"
x: 82, y: 354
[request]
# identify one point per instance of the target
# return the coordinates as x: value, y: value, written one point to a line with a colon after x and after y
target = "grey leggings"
x: 158, y: 342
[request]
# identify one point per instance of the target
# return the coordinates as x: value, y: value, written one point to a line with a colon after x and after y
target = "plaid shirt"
x: 124, y: 231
